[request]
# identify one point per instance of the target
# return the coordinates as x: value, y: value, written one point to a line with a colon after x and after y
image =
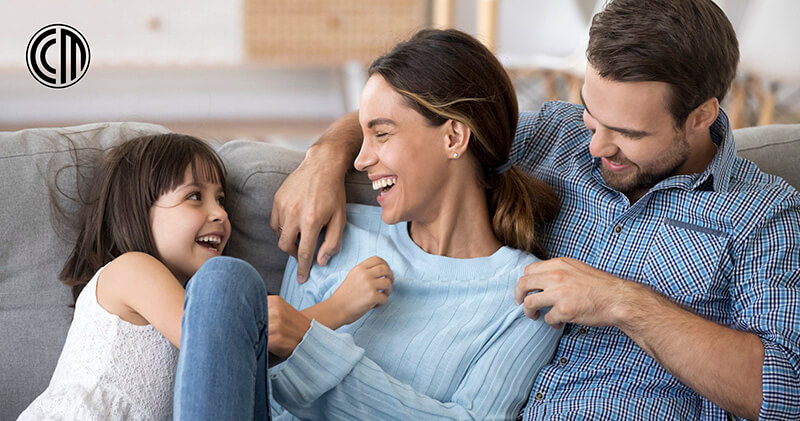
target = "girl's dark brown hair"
x: 447, y: 74
x: 133, y: 175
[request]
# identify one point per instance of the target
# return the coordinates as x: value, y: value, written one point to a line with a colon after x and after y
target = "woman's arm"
x: 139, y: 289
x: 348, y: 385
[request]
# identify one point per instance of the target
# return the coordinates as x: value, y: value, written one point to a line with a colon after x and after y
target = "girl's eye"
x: 221, y: 201
x: 194, y: 196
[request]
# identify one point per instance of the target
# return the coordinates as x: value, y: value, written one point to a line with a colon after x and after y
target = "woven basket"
x: 328, y: 31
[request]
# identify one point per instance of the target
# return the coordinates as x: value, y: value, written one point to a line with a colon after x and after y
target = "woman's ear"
x: 457, y: 136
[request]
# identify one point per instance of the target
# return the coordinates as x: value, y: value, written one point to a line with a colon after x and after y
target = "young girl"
x: 154, y: 217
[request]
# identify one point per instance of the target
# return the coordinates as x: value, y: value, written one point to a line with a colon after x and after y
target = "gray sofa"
x: 35, y: 310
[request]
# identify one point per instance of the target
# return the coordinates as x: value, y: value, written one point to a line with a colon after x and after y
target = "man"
x: 678, y: 263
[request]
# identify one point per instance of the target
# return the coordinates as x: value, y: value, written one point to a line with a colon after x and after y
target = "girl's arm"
x: 139, y: 289
x: 368, y: 285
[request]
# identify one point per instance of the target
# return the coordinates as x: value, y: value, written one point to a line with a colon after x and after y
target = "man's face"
x: 633, y: 133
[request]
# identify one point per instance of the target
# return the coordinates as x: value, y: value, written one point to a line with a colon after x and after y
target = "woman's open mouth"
x: 384, y: 184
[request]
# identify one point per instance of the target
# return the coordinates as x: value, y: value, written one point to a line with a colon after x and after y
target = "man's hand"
x: 287, y: 326
x: 367, y: 286
x: 575, y: 291
x: 313, y: 197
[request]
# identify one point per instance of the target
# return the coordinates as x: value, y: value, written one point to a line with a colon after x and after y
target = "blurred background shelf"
x: 282, y: 70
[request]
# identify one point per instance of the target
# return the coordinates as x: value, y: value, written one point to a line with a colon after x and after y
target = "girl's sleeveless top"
x: 109, y: 369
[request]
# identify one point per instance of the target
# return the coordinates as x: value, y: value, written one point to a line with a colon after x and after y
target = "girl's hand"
x: 287, y: 326
x: 367, y: 286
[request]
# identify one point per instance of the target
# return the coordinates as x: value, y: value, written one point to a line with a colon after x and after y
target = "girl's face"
x: 402, y: 152
x: 189, y: 225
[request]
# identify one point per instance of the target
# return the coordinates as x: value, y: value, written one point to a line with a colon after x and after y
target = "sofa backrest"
x: 255, y: 171
x: 775, y: 149
x: 35, y: 310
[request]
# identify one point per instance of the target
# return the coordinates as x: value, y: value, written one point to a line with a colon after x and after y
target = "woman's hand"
x: 367, y: 286
x: 287, y: 326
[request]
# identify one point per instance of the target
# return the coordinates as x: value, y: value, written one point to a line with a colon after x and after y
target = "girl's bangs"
x: 205, y: 164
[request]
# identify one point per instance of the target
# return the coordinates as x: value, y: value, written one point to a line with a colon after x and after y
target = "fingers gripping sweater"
x: 450, y: 343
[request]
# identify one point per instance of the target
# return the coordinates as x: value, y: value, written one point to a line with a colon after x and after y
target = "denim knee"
x: 228, y: 273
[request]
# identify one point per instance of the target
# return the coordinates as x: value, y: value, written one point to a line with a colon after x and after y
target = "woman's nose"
x: 366, y: 156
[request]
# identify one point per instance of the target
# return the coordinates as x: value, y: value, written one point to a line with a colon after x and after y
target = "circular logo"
x: 58, y: 56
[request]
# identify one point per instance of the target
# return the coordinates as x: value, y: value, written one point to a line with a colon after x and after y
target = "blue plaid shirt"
x: 724, y: 243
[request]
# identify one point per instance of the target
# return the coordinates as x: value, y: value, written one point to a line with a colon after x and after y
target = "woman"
x: 415, y: 317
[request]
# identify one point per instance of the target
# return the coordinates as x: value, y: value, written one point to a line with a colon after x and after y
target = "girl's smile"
x: 190, y: 225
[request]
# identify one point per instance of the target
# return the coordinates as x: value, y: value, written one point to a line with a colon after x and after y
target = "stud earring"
x: 455, y: 155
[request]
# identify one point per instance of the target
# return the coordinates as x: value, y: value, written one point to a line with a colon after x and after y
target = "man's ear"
x: 456, y: 139
x: 703, y: 116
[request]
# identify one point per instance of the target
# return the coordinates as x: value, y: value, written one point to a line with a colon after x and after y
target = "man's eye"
x: 380, y: 134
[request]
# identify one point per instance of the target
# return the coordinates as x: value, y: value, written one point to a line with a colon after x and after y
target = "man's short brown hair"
x: 688, y: 44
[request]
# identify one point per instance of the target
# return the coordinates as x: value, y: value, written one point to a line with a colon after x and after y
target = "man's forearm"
x: 339, y: 145
x: 722, y: 364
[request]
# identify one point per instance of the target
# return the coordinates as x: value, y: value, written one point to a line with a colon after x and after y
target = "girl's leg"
x: 222, y: 365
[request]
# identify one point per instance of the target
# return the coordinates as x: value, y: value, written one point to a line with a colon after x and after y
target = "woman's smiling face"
x: 405, y: 157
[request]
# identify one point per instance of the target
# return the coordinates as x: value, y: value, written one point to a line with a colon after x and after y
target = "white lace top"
x: 109, y: 369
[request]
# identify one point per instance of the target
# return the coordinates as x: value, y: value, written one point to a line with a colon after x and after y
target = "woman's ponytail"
x: 519, y: 204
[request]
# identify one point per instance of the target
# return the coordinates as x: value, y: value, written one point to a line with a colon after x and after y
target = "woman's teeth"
x: 383, y: 183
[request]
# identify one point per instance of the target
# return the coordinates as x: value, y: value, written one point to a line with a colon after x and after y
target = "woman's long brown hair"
x: 447, y: 74
x: 133, y: 175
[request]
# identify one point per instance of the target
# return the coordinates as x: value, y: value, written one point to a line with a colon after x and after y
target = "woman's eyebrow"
x: 377, y: 121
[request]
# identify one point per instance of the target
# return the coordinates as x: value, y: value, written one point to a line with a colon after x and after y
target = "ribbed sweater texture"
x: 450, y: 343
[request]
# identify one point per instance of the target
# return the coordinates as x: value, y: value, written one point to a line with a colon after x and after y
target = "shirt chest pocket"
x: 684, y: 258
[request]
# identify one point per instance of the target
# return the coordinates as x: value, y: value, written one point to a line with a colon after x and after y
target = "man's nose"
x: 602, y: 143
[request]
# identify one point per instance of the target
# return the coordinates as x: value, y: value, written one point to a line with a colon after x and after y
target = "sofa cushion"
x: 775, y: 149
x: 255, y: 171
x: 34, y: 305
x: 35, y: 310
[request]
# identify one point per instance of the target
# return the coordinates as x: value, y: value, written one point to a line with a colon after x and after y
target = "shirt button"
x: 563, y: 361
x: 538, y: 396
x: 618, y: 229
x: 582, y: 331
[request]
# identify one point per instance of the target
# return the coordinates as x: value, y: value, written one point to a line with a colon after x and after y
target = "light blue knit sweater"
x: 450, y: 343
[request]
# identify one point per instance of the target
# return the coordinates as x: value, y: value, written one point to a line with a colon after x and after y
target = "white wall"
x: 125, y: 32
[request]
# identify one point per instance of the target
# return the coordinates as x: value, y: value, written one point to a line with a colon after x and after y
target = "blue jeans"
x: 222, y: 365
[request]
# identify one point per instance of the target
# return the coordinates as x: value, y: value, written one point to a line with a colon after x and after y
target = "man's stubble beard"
x: 643, y: 180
